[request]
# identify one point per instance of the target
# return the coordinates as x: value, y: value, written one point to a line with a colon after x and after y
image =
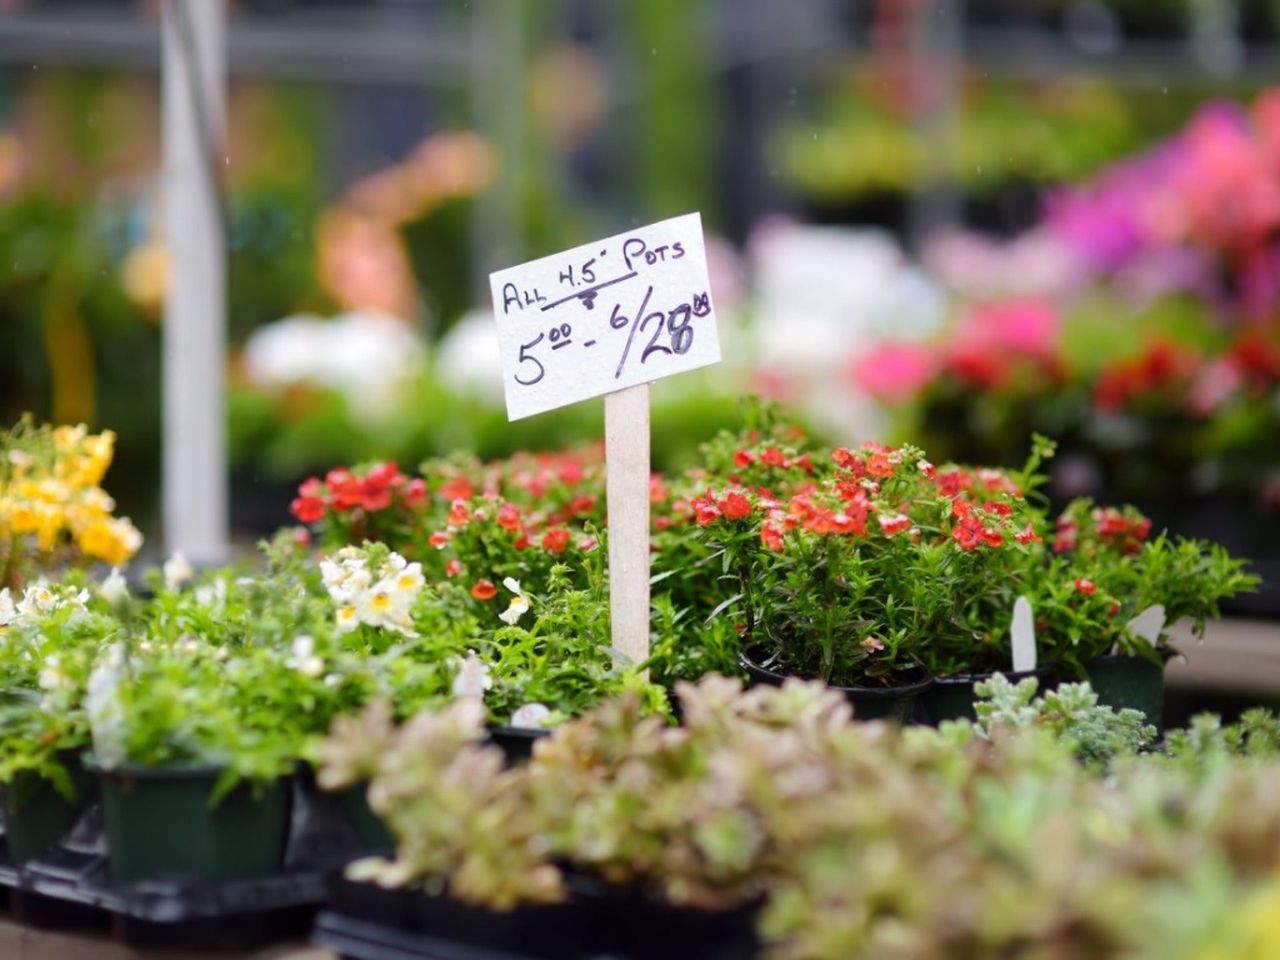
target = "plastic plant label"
x: 607, y: 315
x: 1023, y: 634
x: 1149, y: 624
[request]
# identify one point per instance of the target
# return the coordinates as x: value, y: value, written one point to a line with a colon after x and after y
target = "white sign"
x: 604, y: 316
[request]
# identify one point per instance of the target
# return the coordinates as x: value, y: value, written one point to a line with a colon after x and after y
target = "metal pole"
x: 193, y: 69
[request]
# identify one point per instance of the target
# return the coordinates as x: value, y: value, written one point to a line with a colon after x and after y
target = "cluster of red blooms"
x: 844, y: 504
x: 1162, y: 365
x: 1122, y: 530
x: 344, y: 491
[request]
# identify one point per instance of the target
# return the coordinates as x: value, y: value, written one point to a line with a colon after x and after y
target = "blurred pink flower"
x: 1027, y: 327
x: 895, y: 372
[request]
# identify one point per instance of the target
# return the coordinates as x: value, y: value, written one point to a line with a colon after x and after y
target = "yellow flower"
x: 112, y: 541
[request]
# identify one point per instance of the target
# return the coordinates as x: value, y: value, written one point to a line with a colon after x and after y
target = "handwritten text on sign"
x: 606, y: 315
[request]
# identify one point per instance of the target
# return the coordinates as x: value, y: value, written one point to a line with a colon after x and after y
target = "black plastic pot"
x: 516, y: 742
x: 869, y: 703
x: 954, y: 698
x: 1123, y: 681
x: 641, y: 927
x: 160, y: 823
x: 37, y: 816
x: 368, y: 826
x: 368, y: 923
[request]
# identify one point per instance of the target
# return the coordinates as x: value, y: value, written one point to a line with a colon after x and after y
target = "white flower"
x: 102, y: 704
x: 531, y: 716
x: 472, y: 678
x: 208, y: 596
x: 177, y: 571
x: 113, y: 589
x: 519, y: 604
x: 385, y: 604
x: 304, y: 658
x: 51, y: 675
x: 8, y: 612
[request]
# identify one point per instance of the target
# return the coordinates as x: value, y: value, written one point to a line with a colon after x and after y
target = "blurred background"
x: 951, y: 222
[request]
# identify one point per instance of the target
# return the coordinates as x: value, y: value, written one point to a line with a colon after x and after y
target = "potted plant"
x: 1111, y: 593
x: 877, y: 568
x: 48, y: 642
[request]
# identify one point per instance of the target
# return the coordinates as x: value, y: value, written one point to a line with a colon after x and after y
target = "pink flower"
x: 894, y: 372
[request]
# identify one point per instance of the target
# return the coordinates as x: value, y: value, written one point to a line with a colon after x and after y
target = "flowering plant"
x: 876, y: 561
x: 1106, y: 572
x: 53, y: 511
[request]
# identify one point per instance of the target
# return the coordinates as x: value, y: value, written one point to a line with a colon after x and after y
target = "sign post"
x: 607, y: 318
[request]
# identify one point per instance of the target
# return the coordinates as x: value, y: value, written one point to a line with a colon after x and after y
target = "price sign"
x: 607, y: 318
x: 604, y: 316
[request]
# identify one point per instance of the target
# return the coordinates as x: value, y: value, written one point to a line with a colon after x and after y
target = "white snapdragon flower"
x: 531, y: 716
x: 472, y: 678
x: 177, y: 571
x: 304, y: 658
x: 385, y: 602
x: 8, y: 612
x: 519, y: 604
x: 114, y: 589
x: 102, y: 704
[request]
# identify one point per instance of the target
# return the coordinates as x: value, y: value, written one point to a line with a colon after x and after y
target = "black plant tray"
x: 364, y: 922
x: 71, y: 888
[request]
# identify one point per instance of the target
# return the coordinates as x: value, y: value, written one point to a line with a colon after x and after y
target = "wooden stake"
x: 626, y: 442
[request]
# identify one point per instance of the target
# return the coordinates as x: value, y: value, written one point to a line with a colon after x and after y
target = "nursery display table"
x: 26, y: 943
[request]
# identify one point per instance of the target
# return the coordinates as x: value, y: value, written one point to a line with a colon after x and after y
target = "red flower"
x: 961, y: 508
x: 452, y: 568
x: 1140, y: 528
x: 1000, y: 509
x: 879, y: 465
x: 895, y: 523
x: 1087, y: 587
x: 773, y: 457
x: 484, y: 590
x: 966, y: 537
x: 770, y: 535
x: 308, y: 509
x: 1027, y: 535
x: 661, y: 523
x: 658, y: 491
x: 556, y: 541
x: 735, y: 506
x: 928, y: 469
x: 843, y: 457
x: 705, y: 510
x: 459, y: 488
x: 509, y: 516
x: 458, y: 513
x: 302, y: 537
x: 587, y: 544
x: 992, y: 538
x: 743, y: 459
x: 416, y: 491
x: 804, y: 463
x: 953, y: 482
x: 345, y: 491
x: 438, y: 539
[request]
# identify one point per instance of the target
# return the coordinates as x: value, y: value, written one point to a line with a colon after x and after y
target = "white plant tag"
x: 616, y: 313
x: 1023, y: 633
x: 1148, y: 625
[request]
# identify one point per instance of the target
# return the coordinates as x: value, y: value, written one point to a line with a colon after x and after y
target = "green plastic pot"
x: 160, y: 823
x: 369, y: 827
x: 954, y: 698
x: 894, y: 703
x: 37, y: 816
x: 1134, y: 682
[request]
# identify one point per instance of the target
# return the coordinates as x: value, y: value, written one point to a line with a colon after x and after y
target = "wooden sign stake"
x: 626, y: 444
